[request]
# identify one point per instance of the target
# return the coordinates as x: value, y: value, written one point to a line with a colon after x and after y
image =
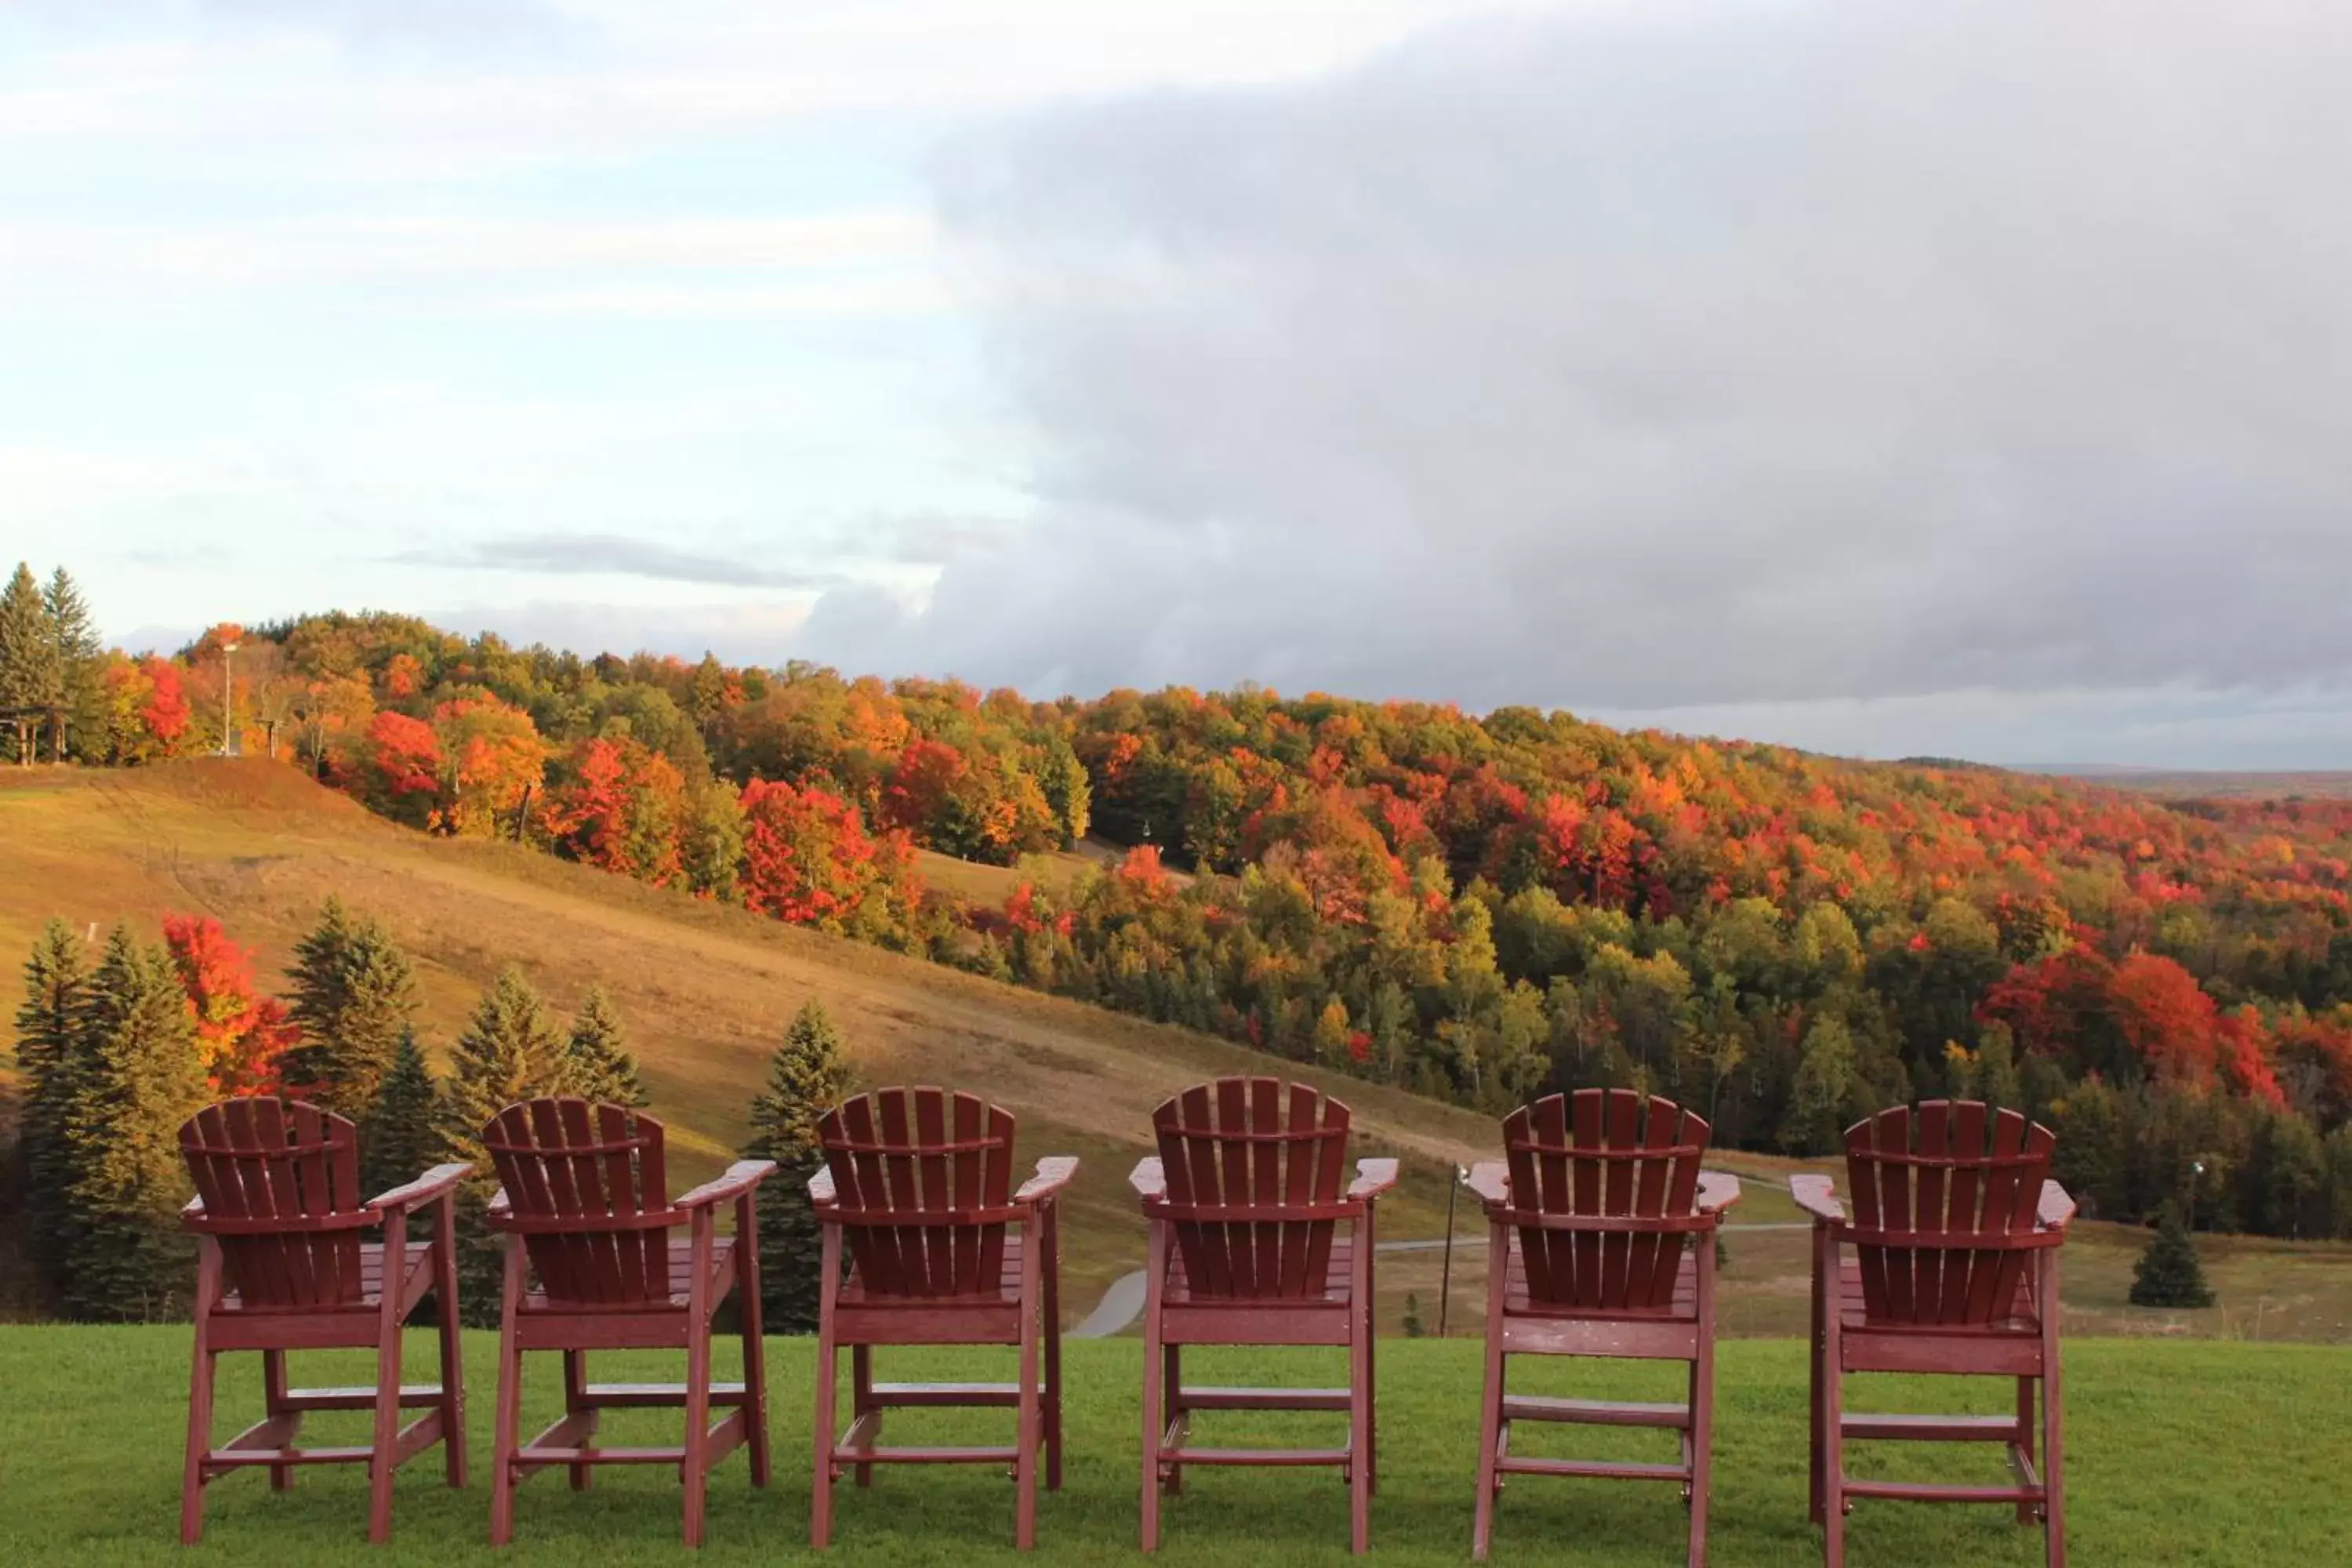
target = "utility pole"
x: 228, y: 701
x: 1446, y: 1273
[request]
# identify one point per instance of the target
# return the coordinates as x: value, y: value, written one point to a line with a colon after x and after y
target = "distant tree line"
x: 1478, y: 908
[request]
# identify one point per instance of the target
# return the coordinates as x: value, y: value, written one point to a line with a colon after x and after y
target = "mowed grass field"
x: 707, y: 992
x: 2178, y: 1454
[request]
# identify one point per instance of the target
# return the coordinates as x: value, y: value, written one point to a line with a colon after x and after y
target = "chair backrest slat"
x: 1603, y: 1153
x: 1953, y: 1174
x: 574, y: 1169
x: 289, y: 1162
x: 1251, y: 1145
x: 923, y: 1180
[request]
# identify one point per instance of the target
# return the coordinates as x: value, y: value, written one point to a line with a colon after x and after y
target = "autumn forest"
x: 1476, y: 907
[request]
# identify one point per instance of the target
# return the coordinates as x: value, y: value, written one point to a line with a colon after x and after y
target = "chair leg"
x: 1359, y: 1407
x: 383, y: 1454
x: 453, y: 1356
x: 507, y: 1434
x: 755, y: 1359
x: 861, y: 1397
x: 828, y: 1373
x: 1154, y: 1372
x: 1052, y: 1262
x: 1817, y: 1347
x: 2026, y: 1512
x: 1171, y: 1405
x: 1490, y: 1436
x: 1025, y: 1459
x: 202, y: 1368
x: 1702, y: 1440
x: 1833, y: 1465
x: 575, y: 1399
x: 694, y: 1469
x: 274, y: 1400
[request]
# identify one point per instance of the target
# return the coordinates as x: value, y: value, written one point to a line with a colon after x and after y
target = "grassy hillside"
x: 708, y: 990
x: 2176, y: 1454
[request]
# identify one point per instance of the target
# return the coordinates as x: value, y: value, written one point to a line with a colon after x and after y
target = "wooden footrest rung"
x: 1598, y: 1469
x: 878, y: 1456
x: 915, y: 1396
x: 1253, y: 1456
x: 1929, y: 1428
x: 538, y: 1459
x: 358, y: 1398
x: 237, y: 1458
x: 1924, y: 1492
x: 1596, y: 1412
x: 622, y: 1395
x: 1260, y: 1398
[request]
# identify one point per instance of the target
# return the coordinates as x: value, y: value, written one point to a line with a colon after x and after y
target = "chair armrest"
x: 1718, y: 1191
x: 437, y: 1182
x: 1374, y: 1178
x: 500, y: 1207
x: 2057, y: 1209
x: 739, y: 1178
x: 820, y: 1188
x: 1817, y: 1196
x: 1053, y: 1174
x: 1149, y: 1180
x: 193, y: 1209
x: 1491, y: 1180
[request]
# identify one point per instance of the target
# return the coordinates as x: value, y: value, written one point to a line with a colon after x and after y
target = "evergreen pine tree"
x: 509, y: 1052
x: 354, y: 996
x: 402, y: 1137
x: 595, y: 1065
x: 80, y: 671
x: 49, y: 1032
x: 807, y: 1077
x: 28, y: 661
x: 2167, y: 1273
x: 141, y: 1076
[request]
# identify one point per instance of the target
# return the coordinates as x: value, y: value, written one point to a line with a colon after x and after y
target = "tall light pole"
x: 228, y: 702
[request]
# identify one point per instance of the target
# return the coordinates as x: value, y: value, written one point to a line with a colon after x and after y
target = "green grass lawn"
x: 2180, y: 1453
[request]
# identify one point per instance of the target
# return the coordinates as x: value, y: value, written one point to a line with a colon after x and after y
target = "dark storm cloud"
x: 1692, y: 353
x: 586, y: 554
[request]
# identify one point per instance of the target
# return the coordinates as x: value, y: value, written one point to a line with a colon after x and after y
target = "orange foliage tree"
x: 242, y: 1033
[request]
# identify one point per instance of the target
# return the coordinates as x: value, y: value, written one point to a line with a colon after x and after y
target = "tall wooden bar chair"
x: 281, y: 1267
x: 1948, y: 1264
x: 1244, y: 1201
x: 584, y: 1204
x: 918, y: 1188
x: 1602, y: 1232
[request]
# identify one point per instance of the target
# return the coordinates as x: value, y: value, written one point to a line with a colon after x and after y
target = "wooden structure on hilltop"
x: 1244, y: 1202
x: 917, y: 1192
x: 280, y: 1266
x: 1948, y: 1264
x: 1601, y: 1233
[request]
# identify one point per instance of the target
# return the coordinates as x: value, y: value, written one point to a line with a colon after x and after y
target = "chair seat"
x: 1518, y: 1303
x: 2022, y: 1321
x: 857, y: 1291
x: 370, y: 1294
x: 1338, y: 1285
x: 681, y: 1284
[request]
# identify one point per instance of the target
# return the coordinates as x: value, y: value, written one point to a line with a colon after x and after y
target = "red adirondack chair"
x: 281, y: 1267
x: 584, y: 1203
x: 1953, y: 1268
x: 1602, y: 1243
x: 918, y: 1185
x: 1244, y: 1202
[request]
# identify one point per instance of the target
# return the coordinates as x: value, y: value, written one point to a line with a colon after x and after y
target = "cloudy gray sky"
x: 1964, y: 377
